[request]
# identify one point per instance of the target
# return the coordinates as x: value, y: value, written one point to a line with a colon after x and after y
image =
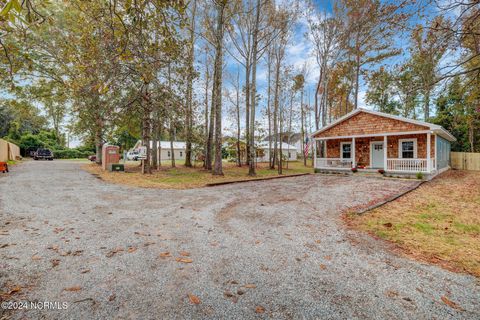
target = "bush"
x: 354, y: 169
x: 70, y: 153
x: 419, y: 175
x: 381, y: 171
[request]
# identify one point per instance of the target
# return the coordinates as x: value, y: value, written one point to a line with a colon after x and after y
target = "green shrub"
x: 70, y: 153
x: 419, y: 175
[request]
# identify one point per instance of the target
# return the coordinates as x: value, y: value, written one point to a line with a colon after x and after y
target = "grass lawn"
x: 182, y: 177
x: 439, y: 222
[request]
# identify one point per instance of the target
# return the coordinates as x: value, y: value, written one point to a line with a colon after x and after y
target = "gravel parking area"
x: 270, y: 249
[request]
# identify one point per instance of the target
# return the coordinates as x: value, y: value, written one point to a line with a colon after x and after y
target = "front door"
x: 376, y: 155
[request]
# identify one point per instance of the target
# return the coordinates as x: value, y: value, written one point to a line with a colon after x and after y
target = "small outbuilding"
x: 165, y: 151
x: 263, y: 153
x: 371, y: 141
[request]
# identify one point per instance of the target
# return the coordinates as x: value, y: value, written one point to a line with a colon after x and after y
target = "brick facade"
x: 366, y: 123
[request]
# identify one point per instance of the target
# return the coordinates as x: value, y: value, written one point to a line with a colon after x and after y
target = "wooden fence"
x: 465, y: 160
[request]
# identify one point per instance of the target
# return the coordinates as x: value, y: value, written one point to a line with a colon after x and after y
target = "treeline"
x: 120, y: 70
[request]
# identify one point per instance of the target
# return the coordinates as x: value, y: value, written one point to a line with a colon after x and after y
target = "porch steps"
x: 368, y: 174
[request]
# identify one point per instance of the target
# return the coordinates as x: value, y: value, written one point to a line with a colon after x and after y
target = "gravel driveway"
x: 272, y: 249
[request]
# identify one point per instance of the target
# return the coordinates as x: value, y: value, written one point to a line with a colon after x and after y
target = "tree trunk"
x: 207, y: 136
x: 269, y: 115
x: 302, y: 116
x: 172, y: 137
x: 98, y: 140
x: 357, y: 80
x: 251, y: 167
x: 189, y: 109
x: 209, y: 155
x: 275, y: 111
x: 239, y: 159
x: 427, y: 105
x: 154, y: 155
x: 146, y: 128
x: 217, y: 86
x: 247, y: 110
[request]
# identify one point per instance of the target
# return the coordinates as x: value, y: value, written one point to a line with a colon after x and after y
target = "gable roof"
x: 434, y: 127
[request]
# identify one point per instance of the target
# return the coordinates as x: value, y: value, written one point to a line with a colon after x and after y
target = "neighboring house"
x: 263, y: 155
x: 165, y: 151
x: 366, y: 139
x: 291, y: 138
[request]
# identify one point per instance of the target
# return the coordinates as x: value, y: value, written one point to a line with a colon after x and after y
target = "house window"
x: 346, y: 150
x: 181, y: 154
x: 168, y: 154
x: 407, y: 148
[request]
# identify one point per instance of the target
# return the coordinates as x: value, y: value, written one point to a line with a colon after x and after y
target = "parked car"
x: 135, y: 155
x: 42, y: 153
x: 92, y: 158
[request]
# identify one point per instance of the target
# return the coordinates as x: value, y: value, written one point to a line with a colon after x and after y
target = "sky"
x: 298, y: 52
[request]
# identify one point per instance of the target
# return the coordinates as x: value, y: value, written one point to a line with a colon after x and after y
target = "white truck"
x: 137, y: 154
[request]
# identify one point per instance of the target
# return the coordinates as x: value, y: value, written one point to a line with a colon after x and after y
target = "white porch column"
x: 353, y: 153
x: 385, y: 153
x: 435, y: 153
x: 315, y: 153
x: 428, y: 151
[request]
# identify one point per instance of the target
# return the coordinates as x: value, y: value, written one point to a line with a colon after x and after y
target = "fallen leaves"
x: 131, y: 249
x: 165, y: 254
x: 259, y: 309
x: 85, y: 271
x: 193, y: 299
x: 55, y: 262
x: 14, y: 289
x: 185, y: 253
x: 184, y: 260
x: 250, y: 286
x: 58, y: 230
x: 73, y: 289
x: 450, y: 303
x: 323, y: 267
x: 53, y: 247
x: 111, y: 253
x: 36, y: 258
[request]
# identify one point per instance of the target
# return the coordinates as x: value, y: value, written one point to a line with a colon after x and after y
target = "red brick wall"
x: 366, y: 123
x: 362, y: 147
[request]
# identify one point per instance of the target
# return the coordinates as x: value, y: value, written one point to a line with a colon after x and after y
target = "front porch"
x: 392, y: 153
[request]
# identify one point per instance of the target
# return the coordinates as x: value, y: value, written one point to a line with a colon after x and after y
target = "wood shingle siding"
x: 364, y: 123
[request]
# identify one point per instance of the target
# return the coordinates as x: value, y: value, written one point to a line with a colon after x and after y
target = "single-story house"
x: 370, y: 140
x: 263, y: 155
x: 164, y: 150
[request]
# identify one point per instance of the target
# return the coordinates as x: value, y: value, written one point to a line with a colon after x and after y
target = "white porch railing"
x: 398, y: 165
x: 410, y: 165
x: 323, y: 163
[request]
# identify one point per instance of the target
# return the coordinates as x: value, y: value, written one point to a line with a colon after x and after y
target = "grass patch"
x: 439, y: 222
x: 182, y: 177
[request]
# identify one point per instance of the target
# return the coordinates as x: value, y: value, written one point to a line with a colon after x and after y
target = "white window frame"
x: 341, y: 149
x: 400, y: 151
